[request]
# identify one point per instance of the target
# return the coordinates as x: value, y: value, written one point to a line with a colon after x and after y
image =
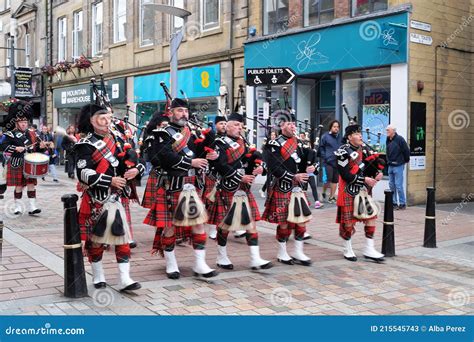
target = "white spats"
x: 212, y: 232
x: 33, y: 208
x: 222, y: 258
x: 348, y: 252
x: 256, y: 262
x: 200, y: 266
x: 18, y: 207
x: 98, y: 275
x: 298, y: 254
x: 370, y: 252
x: 171, y: 264
x: 282, y: 253
x: 124, y: 270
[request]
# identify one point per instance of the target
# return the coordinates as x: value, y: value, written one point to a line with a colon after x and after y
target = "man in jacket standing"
x: 398, y: 154
x: 330, y: 142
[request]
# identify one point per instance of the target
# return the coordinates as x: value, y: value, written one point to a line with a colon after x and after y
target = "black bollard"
x: 1, y: 239
x: 388, y: 237
x: 75, y: 285
x: 430, y: 220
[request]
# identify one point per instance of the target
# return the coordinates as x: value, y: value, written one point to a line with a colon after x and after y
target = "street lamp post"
x: 175, y: 41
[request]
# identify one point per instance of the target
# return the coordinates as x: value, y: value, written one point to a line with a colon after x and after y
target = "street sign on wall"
x: 23, y: 82
x: 269, y: 76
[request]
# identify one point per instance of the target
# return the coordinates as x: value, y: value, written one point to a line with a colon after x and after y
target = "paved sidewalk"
x: 417, y: 281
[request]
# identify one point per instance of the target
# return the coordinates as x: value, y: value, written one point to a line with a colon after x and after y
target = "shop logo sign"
x: 307, y: 54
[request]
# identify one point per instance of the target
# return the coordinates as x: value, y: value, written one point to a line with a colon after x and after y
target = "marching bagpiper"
x: 286, y: 203
x: 234, y: 207
x: 177, y: 210
x: 353, y: 159
x: 104, y: 166
x: 211, y: 174
x: 19, y: 140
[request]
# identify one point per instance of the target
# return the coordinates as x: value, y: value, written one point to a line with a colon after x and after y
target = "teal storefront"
x: 354, y: 61
x: 200, y: 84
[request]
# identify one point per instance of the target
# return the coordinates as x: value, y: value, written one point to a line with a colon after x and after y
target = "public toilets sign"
x: 269, y: 76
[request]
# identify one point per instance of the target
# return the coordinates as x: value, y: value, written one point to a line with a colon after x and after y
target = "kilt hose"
x: 222, y: 204
x: 149, y: 196
x: 345, y: 218
x: 15, y: 177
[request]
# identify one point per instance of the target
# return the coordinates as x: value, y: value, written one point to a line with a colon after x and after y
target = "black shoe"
x: 207, y: 275
x: 226, y: 267
x: 101, y: 285
x: 402, y: 207
x: 302, y: 262
x: 132, y: 287
x: 43, y: 179
x: 353, y: 259
x: 239, y: 236
x: 396, y: 207
x: 264, y: 267
x: 132, y: 244
x: 286, y: 262
x: 55, y: 180
x: 173, y: 275
x: 34, y: 212
x: 377, y: 260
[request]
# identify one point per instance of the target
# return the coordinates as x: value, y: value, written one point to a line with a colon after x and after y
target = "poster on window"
x: 375, y: 119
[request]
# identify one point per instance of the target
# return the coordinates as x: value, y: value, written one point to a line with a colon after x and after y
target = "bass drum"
x: 35, y: 165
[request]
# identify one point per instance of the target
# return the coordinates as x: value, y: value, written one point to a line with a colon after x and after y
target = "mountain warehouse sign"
x: 76, y: 96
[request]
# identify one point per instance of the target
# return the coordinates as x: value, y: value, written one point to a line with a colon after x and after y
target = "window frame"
x: 27, y: 49
x: 62, y: 39
x: 116, y: 16
x: 75, y: 33
x: 141, y: 42
x: 306, y: 13
x: 264, y: 15
x: 208, y: 27
x: 371, y: 7
x: 95, y: 52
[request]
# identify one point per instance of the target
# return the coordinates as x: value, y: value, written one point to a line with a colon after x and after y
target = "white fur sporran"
x: 111, y: 227
x: 190, y: 210
x: 365, y: 207
x: 239, y: 216
x: 298, y: 209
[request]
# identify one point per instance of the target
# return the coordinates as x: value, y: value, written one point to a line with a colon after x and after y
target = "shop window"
x: 360, y: 7
x: 318, y: 12
x: 97, y: 20
x: 120, y: 20
x: 366, y: 94
x: 209, y: 14
x: 77, y: 41
x: 275, y: 16
x: 146, y: 24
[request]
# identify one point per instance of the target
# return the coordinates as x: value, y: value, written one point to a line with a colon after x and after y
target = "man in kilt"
x: 285, y: 158
x: 350, y: 157
x: 104, y: 214
x: 237, y: 170
x: 173, y: 153
x: 211, y: 174
x: 19, y: 140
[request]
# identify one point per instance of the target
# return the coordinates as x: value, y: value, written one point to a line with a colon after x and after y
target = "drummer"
x: 18, y: 141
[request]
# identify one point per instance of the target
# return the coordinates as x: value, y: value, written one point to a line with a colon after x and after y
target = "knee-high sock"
x: 346, y: 231
x: 199, y: 241
x: 31, y: 193
x: 252, y: 239
x: 222, y: 236
x: 299, y: 232
x: 282, y: 234
x: 122, y: 253
x: 168, y: 243
x: 369, y: 231
x: 17, y: 195
x: 95, y: 253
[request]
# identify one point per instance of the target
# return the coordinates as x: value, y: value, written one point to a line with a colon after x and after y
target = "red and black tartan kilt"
x: 15, y: 177
x: 208, y: 186
x: 345, y: 210
x: 149, y: 196
x: 276, y: 206
x: 161, y: 213
x: 222, y: 204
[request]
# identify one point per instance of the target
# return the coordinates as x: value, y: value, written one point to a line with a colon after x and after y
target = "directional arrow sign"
x: 269, y: 76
